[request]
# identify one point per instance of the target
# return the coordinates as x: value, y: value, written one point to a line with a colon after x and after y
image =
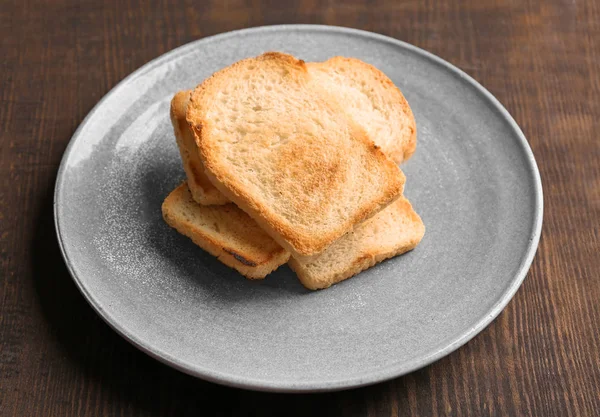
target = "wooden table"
x: 539, y: 357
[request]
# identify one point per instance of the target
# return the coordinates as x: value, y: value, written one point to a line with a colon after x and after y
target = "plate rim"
x: 257, y: 384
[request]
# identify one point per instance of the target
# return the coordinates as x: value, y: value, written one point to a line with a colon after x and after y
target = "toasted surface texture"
x: 373, y: 100
x: 286, y: 153
x: 395, y: 230
x: 203, y: 191
x: 226, y: 232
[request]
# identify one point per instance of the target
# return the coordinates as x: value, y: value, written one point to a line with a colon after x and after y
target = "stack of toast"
x: 295, y: 162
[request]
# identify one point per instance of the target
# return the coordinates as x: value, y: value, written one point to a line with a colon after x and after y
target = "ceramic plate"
x: 473, y: 180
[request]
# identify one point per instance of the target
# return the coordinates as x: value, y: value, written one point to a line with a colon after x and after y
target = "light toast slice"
x: 284, y: 151
x: 226, y: 232
x: 229, y: 234
x: 392, y: 231
x: 202, y: 190
x: 372, y: 100
x: 363, y: 91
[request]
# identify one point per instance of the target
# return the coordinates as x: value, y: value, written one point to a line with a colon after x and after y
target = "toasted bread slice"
x: 226, y: 232
x: 394, y: 230
x: 203, y: 191
x: 285, y: 152
x: 373, y: 100
x: 364, y: 92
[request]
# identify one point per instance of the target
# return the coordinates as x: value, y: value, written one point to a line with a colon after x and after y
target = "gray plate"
x: 473, y: 180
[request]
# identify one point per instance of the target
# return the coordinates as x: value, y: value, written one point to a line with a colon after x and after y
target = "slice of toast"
x: 373, y: 100
x: 225, y: 232
x: 393, y: 231
x: 229, y: 234
x: 364, y: 92
x: 284, y: 151
x: 203, y: 191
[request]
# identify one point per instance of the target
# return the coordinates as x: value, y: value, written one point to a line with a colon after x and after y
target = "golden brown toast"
x: 203, y: 191
x: 392, y: 231
x: 226, y: 232
x: 365, y: 93
x: 286, y: 153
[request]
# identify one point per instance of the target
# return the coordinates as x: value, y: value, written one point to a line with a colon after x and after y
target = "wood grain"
x: 541, y: 59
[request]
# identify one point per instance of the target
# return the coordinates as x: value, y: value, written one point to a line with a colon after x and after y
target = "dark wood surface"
x: 539, y: 357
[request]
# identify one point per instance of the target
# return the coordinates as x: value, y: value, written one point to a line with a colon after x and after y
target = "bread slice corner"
x: 393, y: 231
x: 226, y: 232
